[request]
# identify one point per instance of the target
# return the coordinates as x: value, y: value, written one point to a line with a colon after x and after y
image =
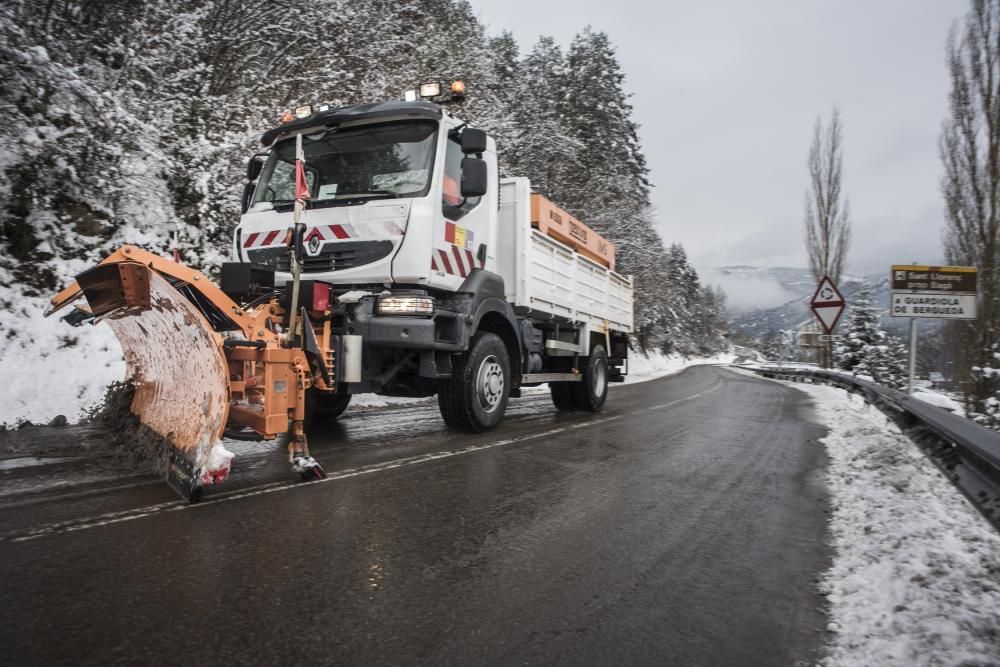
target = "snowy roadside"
x: 922, y: 389
x: 642, y: 367
x: 50, y: 368
x: 916, y: 573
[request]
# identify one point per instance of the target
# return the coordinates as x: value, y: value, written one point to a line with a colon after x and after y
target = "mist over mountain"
x: 764, y: 300
x: 752, y: 287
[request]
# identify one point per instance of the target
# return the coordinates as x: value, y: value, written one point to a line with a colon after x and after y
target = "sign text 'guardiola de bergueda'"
x: 937, y: 292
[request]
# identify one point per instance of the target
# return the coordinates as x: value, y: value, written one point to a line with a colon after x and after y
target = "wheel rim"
x: 490, y: 384
x: 600, y: 378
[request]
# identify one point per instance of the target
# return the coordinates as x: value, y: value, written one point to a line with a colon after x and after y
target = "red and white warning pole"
x: 301, y: 186
x: 301, y: 195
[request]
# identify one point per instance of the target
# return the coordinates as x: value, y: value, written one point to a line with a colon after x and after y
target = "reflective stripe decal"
x: 444, y: 260
x: 374, y: 231
x: 459, y: 262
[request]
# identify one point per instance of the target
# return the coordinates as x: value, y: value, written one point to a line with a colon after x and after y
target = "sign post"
x: 827, y: 305
x: 931, y: 292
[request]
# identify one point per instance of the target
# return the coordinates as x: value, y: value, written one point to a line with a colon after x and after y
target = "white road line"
x: 274, y: 487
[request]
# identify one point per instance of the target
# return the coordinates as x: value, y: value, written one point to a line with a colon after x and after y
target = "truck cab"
x: 402, y: 234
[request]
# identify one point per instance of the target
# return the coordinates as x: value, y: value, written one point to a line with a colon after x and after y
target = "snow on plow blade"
x: 175, y: 360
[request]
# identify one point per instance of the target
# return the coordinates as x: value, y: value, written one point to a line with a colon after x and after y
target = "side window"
x: 451, y: 200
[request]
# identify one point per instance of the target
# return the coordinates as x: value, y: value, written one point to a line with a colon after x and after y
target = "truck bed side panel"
x: 548, y: 277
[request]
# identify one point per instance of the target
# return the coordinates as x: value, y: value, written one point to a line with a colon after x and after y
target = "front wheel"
x: 324, y: 407
x: 474, y: 398
x: 592, y: 392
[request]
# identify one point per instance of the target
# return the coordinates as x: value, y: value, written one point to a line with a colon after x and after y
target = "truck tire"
x: 590, y: 394
x: 474, y: 399
x: 322, y: 407
x: 562, y: 395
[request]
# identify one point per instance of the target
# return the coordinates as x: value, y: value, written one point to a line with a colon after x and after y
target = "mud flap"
x: 177, y: 364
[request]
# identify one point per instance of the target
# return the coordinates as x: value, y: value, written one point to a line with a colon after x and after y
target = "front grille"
x: 334, y: 256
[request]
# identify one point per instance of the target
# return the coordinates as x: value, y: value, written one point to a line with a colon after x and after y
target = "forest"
x: 132, y: 121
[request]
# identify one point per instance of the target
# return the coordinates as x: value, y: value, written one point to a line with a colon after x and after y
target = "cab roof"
x: 418, y: 109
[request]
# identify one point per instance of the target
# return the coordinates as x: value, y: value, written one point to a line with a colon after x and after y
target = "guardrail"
x: 967, y: 453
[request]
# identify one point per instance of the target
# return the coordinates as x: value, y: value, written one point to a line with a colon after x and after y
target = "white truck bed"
x: 546, y: 276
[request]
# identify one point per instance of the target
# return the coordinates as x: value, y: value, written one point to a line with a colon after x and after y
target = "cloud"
x: 744, y: 292
x: 727, y: 94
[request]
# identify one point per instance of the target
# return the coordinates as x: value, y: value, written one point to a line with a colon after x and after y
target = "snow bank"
x: 939, y: 399
x: 50, y: 368
x: 656, y: 364
x: 916, y: 572
x: 643, y: 367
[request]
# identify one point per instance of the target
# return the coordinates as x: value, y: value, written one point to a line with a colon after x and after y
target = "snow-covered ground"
x: 50, y: 368
x: 940, y: 399
x: 916, y: 572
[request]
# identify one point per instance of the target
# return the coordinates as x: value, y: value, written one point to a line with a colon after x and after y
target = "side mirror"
x: 473, y: 141
x: 254, y: 167
x: 247, y: 199
x: 473, y: 177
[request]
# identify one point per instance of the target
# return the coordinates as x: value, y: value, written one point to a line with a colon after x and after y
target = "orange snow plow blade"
x: 201, y: 363
x: 174, y: 359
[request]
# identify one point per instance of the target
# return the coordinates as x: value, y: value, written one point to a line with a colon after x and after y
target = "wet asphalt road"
x: 683, y: 525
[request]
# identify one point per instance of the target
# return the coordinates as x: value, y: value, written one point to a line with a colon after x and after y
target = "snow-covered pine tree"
x: 868, y: 350
x: 505, y: 75
x: 130, y: 122
x: 863, y: 331
x: 892, y: 360
x: 614, y: 178
x: 540, y: 146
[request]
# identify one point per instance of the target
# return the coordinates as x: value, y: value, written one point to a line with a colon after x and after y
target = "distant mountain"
x: 800, y: 285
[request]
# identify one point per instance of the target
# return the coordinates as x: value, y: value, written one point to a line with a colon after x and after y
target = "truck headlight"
x: 406, y: 305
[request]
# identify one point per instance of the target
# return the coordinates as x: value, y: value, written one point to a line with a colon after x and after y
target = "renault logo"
x: 313, y: 246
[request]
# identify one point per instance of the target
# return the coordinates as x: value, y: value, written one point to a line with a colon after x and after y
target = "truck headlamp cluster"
x: 430, y: 89
x: 437, y: 92
x: 405, y: 305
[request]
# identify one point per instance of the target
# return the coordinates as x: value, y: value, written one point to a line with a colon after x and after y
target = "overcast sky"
x: 727, y: 94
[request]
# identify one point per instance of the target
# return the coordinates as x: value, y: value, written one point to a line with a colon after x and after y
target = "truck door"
x: 466, y: 236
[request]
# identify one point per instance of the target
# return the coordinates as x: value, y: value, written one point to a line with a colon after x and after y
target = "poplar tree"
x: 970, y: 153
x: 827, y: 222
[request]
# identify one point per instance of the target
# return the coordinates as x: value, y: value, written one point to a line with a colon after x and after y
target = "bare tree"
x: 828, y: 225
x: 970, y: 152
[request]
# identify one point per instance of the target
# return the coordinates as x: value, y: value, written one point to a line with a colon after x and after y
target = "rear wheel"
x: 474, y: 399
x: 592, y: 392
x: 562, y: 395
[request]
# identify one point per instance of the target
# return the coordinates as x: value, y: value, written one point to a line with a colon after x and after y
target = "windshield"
x: 383, y: 160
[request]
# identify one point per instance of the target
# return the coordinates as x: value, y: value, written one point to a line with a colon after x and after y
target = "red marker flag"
x: 301, y: 186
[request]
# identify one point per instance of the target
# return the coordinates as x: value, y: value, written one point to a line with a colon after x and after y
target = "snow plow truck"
x: 378, y: 251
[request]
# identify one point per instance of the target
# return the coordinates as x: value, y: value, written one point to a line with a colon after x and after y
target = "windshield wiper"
x: 288, y: 202
x: 378, y: 193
